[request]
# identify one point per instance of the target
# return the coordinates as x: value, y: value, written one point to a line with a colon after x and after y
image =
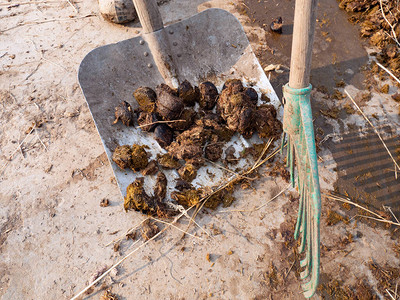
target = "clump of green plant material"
x: 146, y: 98
x: 108, y: 295
x: 334, y: 218
x: 122, y: 156
x: 164, y: 135
x: 139, y: 157
x: 149, y: 229
x: 134, y: 157
x: 137, y: 199
x: 186, y: 119
x: 385, y: 89
x: 147, y: 120
x: 124, y: 113
x: 349, y: 109
x: 188, y: 172
x: 187, y: 198
x: 266, y: 123
x: 168, y: 104
x: 151, y: 169
x: 168, y: 162
x: 272, y: 277
x: 208, y: 95
x: 330, y: 112
x: 224, y: 197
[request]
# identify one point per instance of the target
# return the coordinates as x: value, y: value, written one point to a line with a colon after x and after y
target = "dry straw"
x: 377, y: 217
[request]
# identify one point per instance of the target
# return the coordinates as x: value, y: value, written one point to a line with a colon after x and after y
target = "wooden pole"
x: 149, y: 15
x: 303, y: 38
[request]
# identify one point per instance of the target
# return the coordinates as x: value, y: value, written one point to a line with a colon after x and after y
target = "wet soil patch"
x: 365, y: 170
x: 334, y: 58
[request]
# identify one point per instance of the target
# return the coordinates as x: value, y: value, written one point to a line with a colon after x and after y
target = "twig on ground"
x: 73, y: 6
x: 15, y: 151
x: 160, y: 122
x: 379, y: 219
x: 397, y: 167
x: 177, y: 228
x: 29, y: 3
x: 258, y: 207
x: 37, y: 135
x: 228, y: 170
x: 390, y: 295
x: 263, y: 152
x: 387, y: 71
x: 182, y: 210
x: 34, y: 71
x: 348, y: 201
x: 390, y: 210
x: 393, y: 36
x: 45, y: 59
x: 127, y: 232
x: 290, y: 269
x: 37, y: 22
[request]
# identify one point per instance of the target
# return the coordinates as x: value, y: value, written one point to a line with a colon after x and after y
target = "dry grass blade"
x: 30, y: 3
x: 160, y: 122
x: 37, y: 22
x: 348, y: 201
x: 259, y: 207
x: 15, y: 151
x: 37, y: 135
x: 73, y: 6
x: 392, y: 27
x: 290, y: 269
x: 263, y: 152
x: 391, y: 296
x: 228, y: 170
x: 387, y: 71
x: 127, y: 232
x: 379, y: 219
x: 177, y: 228
x: 391, y: 212
x: 397, y: 167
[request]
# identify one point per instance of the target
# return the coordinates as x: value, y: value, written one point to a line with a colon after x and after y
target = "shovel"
x: 211, y: 45
x: 299, y: 131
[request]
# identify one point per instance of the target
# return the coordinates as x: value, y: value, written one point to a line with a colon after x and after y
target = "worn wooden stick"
x: 303, y: 39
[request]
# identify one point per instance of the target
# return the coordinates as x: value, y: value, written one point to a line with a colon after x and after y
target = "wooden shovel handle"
x: 303, y: 38
x: 149, y: 15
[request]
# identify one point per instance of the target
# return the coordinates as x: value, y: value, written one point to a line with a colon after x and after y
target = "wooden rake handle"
x: 157, y: 39
x: 303, y: 38
x: 149, y: 15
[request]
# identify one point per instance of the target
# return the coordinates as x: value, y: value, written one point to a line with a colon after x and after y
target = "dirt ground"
x: 54, y: 172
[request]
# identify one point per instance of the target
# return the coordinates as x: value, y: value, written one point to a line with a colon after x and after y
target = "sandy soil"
x: 54, y: 173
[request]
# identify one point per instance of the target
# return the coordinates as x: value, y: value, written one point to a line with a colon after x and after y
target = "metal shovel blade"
x: 211, y: 45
